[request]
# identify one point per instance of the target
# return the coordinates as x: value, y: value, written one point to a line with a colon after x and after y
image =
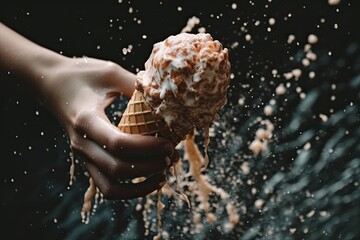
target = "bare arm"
x: 77, y: 91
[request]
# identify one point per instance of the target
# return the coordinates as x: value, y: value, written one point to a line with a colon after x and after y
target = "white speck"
x: 268, y: 110
x: 311, y: 213
x: 288, y: 75
x: 241, y: 101
x: 311, y: 74
x: 271, y: 21
x: 247, y: 37
x: 202, y: 30
x: 296, y: 73
x: 323, y: 213
x: 290, y: 39
x: 179, y: 9
x: 312, y: 39
x: 261, y: 134
x: 257, y: 146
x: 311, y: 56
x: 307, y: 146
x: 234, y: 6
x: 305, y: 62
x: 245, y: 168
x: 259, y: 203
x: 138, y: 207
x: 280, y: 90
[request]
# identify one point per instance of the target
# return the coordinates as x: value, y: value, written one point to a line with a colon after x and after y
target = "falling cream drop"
x: 89, y: 195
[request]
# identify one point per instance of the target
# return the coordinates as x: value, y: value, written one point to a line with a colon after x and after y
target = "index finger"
x: 98, y: 128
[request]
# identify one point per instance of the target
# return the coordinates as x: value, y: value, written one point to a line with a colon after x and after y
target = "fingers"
x: 118, y: 78
x: 118, y: 168
x: 99, y: 129
x: 116, y: 190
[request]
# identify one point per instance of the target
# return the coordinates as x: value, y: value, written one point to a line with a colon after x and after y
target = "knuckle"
x: 80, y: 121
x: 75, y: 143
x: 112, y: 143
x: 110, y: 69
x: 116, y: 170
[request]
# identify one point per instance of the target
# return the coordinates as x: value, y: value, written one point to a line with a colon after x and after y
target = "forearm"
x: 26, y: 60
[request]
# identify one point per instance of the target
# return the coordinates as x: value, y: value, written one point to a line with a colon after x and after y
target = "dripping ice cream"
x: 185, y: 81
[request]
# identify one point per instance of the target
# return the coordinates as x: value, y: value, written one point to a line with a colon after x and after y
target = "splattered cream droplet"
x: 268, y: 110
x: 297, y: 73
x: 281, y: 89
x: 271, y: 21
x: 88, y: 197
x: 257, y: 146
x: 312, y: 39
x: 323, y: 117
x: 334, y: 2
x: 259, y: 203
x: 290, y: 39
x: 245, y: 168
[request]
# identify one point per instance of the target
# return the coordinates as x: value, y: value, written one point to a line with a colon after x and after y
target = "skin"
x: 77, y: 91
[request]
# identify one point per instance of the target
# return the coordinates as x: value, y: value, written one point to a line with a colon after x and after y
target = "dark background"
x: 36, y: 201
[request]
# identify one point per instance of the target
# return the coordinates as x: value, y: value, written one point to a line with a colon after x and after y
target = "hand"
x: 78, y: 91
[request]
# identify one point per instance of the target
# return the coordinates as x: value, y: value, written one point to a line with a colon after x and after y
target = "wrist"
x: 39, y: 73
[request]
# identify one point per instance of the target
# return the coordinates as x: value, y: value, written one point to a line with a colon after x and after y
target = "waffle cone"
x: 140, y: 118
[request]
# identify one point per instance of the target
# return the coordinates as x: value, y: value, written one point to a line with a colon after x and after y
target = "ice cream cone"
x: 140, y: 118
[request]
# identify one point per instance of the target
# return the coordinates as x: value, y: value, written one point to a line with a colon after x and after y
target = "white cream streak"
x: 88, y: 197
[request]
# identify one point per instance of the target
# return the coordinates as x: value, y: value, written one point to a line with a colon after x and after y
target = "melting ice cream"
x: 185, y: 81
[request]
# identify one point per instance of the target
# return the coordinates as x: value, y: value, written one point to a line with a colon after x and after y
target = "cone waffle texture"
x: 140, y: 118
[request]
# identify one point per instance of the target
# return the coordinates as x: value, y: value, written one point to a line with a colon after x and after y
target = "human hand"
x: 77, y: 91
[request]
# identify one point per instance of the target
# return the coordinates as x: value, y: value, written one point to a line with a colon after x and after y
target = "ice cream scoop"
x: 185, y: 81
